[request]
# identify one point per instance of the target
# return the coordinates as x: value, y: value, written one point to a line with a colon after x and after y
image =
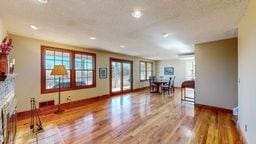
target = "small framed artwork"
x: 168, y: 70
x: 103, y: 73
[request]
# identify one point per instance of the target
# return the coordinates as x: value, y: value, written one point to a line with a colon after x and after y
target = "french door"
x: 121, y: 72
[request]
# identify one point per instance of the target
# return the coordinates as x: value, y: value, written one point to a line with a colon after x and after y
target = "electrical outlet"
x: 245, y: 128
x: 69, y: 98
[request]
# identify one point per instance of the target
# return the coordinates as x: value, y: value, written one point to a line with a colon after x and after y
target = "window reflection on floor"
x: 120, y: 109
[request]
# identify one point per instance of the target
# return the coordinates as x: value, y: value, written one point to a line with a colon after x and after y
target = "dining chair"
x: 152, y: 85
x: 166, y: 87
x: 172, y: 85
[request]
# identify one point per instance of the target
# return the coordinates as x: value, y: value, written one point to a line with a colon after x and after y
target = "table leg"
x: 185, y: 93
x: 181, y: 94
x: 158, y: 88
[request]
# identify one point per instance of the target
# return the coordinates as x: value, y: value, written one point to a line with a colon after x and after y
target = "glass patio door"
x: 121, y: 76
x: 116, y: 77
x: 127, y: 76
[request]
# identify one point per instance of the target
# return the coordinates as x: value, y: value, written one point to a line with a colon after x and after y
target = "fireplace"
x: 8, y: 108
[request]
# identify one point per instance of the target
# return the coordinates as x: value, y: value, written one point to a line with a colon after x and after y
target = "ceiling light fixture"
x: 93, y: 38
x: 137, y: 13
x: 43, y: 1
x: 33, y: 27
x: 165, y: 35
x: 122, y: 46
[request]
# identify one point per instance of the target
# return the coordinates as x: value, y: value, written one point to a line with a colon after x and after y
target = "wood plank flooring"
x: 135, y: 118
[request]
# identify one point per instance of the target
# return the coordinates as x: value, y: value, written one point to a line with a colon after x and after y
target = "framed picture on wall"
x: 168, y: 70
x: 103, y: 73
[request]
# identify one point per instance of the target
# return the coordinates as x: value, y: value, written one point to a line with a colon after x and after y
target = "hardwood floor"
x: 135, y: 118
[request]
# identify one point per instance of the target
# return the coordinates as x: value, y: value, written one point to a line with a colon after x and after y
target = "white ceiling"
x: 110, y: 21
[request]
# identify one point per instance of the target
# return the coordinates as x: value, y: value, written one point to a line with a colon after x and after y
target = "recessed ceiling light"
x: 165, y: 34
x: 137, y: 13
x: 92, y: 38
x: 33, y: 27
x: 122, y: 46
x: 43, y: 1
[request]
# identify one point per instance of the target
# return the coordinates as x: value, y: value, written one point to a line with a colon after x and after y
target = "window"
x: 190, y: 69
x: 143, y: 71
x: 149, y: 70
x: 53, y: 58
x: 146, y: 70
x: 80, y: 67
x: 84, y: 69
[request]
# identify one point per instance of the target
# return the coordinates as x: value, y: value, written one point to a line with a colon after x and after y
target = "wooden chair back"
x: 169, y: 82
x: 151, y: 80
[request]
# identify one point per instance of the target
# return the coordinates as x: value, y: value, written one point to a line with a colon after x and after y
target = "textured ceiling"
x: 110, y: 21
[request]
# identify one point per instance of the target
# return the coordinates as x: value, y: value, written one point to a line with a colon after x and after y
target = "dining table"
x: 159, y: 83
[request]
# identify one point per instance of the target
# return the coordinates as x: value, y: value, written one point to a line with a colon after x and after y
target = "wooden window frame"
x: 146, y: 72
x: 72, y: 70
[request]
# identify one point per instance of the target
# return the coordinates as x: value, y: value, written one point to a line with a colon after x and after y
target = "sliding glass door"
x: 127, y: 76
x: 116, y: 76
x: 120, y: 76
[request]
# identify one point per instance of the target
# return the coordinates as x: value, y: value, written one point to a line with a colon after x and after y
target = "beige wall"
x: 27, y: 55
x: 3, y: 32
x: 181, y: 69
x: 246, y: 73
x: 216, y: 73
